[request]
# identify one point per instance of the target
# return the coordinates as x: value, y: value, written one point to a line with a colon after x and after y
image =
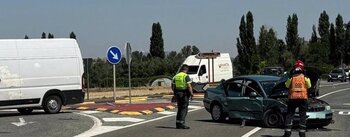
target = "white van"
x: 208, y: 67
x: 40, y: 73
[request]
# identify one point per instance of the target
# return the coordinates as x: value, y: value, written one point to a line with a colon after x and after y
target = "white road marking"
x: 251, y: 132
x: 194, y: 107
x: 90, y: 112
x: 21, y: 122
x: 123, y: 119
x: 9, y: 110
x: 328, y: 85
x: 257, y: 128
x: 346, y: 104
x: 98, y: 129
x: 333, y: 92
x: 344, y: 113
x: 166, y: 112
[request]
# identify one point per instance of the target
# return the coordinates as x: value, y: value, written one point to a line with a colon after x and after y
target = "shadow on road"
x: 164, y: 127
x: 237, y: 122
x: 14, y: 114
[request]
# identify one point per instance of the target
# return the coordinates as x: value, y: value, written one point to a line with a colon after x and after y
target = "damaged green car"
x: 263, y: 98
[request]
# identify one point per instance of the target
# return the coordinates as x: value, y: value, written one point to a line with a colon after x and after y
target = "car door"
x: 251, y: 107
x: 234, y: 93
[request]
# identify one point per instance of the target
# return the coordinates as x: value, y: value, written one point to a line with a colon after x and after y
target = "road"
x: 103, y: 124
x: 202, y: 125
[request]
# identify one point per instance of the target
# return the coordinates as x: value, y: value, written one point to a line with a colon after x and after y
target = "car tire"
x: 217, y: 113
x: 273, y: 118
x: 25, y: 111
x: 52, y: 104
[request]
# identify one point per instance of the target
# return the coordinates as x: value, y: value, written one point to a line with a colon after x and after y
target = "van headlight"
x: 328, y: 108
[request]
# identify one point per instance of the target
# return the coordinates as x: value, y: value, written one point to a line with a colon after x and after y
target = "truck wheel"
x: 25, y: 111
x: 217, y: 113
x: 273, y: 118
x: 52, y: 104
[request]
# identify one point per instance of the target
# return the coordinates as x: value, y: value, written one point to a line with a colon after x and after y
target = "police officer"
x: 297, y: 98
x: 183, y: 92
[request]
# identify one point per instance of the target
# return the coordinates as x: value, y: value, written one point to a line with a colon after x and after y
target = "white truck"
x: 40, y: 73
x: 208, y: 67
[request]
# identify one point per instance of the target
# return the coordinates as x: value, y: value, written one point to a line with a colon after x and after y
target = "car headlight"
x: 328, y: 108
x: 339, y: 76
x: 296, y: 110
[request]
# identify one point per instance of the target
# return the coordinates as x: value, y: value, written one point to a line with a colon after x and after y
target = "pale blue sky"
x: 208, y: 24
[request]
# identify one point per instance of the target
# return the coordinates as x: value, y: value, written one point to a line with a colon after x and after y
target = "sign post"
x: 114, y: 55
x: 128, y: 61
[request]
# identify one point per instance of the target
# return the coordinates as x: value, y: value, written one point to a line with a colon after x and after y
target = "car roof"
x: 260, y: 77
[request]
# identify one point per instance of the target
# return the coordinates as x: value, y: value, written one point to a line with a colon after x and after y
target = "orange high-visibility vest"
x: 297, y: 88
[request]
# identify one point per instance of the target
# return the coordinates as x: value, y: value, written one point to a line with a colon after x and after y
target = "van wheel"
x: 52, y: 104
x: 25, y: 111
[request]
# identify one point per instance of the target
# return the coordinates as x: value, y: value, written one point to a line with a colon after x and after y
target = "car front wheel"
x: 217, y: 113
x: 273, y: 118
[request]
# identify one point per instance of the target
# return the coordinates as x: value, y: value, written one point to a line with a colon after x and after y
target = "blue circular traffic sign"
x: 114, y: 55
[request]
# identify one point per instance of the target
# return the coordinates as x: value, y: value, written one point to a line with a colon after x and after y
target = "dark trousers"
x: 182, y: 99
x: 292, y: 105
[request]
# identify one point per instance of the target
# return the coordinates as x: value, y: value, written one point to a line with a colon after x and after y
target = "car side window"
x: 252, y: 86
x: 234, y: 88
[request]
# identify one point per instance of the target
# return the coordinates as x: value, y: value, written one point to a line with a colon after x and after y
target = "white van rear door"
x: 9, y: 72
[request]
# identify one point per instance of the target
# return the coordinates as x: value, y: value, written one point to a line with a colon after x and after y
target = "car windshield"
x: 336, y: 71
x: 192, y: 69
x: 268, y: 85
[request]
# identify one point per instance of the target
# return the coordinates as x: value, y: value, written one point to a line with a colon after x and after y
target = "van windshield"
x: 192, y: 69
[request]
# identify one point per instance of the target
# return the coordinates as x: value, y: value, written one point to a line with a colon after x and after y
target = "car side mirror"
x: 253, y: 94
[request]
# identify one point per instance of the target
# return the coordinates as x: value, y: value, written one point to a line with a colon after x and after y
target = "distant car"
x: 274, y: 71
x: 259, y: 97
x: 347, y: 72
x: 337, y: 74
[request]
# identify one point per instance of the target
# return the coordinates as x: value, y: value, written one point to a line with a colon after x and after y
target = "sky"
x: 210, y: 25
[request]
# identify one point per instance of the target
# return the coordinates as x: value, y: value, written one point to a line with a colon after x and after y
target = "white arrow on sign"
x: 21, y: 122
x: 115, y: 56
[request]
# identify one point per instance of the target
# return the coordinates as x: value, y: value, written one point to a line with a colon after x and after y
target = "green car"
x: 260, y: 97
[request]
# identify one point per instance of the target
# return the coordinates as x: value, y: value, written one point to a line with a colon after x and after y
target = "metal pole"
x: 88, y: 79
x: 114, y: 82
x: 129, y: 85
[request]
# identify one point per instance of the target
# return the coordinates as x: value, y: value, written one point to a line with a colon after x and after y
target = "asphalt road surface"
x: 95, y: 123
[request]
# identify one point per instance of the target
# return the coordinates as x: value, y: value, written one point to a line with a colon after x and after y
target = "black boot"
x: 181, y: 126
x: 287, y: 134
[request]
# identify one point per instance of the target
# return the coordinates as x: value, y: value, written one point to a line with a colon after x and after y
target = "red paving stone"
x: 127, y: 107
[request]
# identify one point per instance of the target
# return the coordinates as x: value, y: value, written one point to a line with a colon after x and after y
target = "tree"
x: 333, y: 56
x: 292, y: 36
x: 189, y: 50
x: 246, y: 46
x: 26, y: 37
x: 267, y: 48
x: 157, y: 43
x: 339, y: 40
x: 43, y: 35
x: 50, y: 36
x: 347, y: 44
x: 323, y: 30
x: 72, y: 35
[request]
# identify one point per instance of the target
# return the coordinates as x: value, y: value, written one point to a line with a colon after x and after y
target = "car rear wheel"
x: 273, y: 118
x: 25, y: 111
x: 217, y: 113
x: 52, y: 104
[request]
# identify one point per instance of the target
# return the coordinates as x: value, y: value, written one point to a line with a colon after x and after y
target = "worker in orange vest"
x: 298, y: 84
